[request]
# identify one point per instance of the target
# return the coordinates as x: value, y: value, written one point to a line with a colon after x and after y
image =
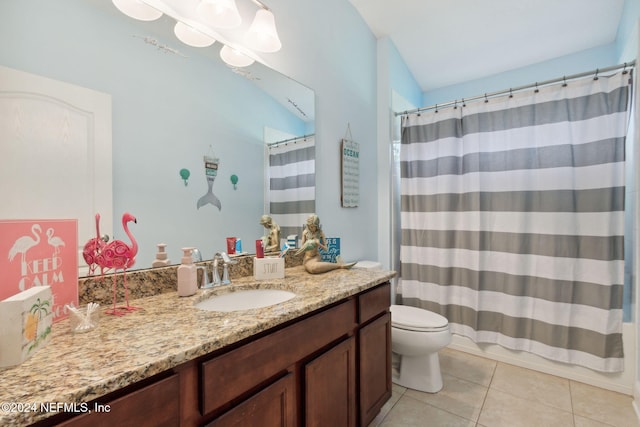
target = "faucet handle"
x: 216, y: 275
x: 225, y: 274
x: 205, y: 278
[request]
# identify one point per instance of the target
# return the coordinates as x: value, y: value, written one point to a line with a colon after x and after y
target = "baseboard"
x: 622, y: 382
x: 636, y: 400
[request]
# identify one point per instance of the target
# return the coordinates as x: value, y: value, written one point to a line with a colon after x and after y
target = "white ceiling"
x: 445, y: 42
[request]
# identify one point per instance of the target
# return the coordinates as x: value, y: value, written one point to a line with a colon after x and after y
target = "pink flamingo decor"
x: 93, y: 248
x: 54, y: 241
x: 120, y: 256
x: 24, y: 243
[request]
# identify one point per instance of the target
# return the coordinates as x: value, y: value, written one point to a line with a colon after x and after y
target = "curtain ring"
x: 436, y: 108
x: 537, y: 90
x: 624, y: 69
x: 510, y: 93
x: 464, y: 104
x: 596, y: 76
x: 485, y: 98
x: 455, y: 105
x: 564, y: 79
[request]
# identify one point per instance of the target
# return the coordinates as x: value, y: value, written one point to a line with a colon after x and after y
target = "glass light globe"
x: 192, y: 37
x: 235, y: 58
x: 220, y: 13
x: 137, y: 10
x: 262, y: 34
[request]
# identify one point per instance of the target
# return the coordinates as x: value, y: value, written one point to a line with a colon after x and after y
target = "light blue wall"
x: 168, y: 110
x: 401, y: 79
x: 587, y: 60
x: 627, y: 36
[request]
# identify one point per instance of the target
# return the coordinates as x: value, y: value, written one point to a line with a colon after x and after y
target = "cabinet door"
x: 156, y: 405
x: 273, y: 406
x: 375, y: 367
x: 330, y: 387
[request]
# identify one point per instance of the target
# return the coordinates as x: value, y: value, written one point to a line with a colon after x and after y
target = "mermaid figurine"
x: 313, y: 240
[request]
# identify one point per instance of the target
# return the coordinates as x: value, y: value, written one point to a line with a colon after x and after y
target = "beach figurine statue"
x: 313, y: 239
x: 271, y: 240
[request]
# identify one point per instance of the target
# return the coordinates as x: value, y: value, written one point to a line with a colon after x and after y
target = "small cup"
x: 259, y: 249
x: 79, y: 323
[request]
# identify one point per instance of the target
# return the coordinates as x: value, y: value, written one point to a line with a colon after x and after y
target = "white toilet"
x: 416, y: 337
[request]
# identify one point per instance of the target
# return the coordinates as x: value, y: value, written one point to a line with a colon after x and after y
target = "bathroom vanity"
x: 321, y: 358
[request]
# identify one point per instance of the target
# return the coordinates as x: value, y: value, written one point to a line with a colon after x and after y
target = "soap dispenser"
x: 161, y: 257
x: 187, y: 275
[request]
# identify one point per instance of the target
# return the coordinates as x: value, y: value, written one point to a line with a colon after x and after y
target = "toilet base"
x: 418, y: 373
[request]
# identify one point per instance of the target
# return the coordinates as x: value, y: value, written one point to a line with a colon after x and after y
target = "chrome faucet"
x: 225, y: 270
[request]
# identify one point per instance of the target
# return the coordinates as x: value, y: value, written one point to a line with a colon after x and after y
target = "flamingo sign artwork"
x: 40, y: 253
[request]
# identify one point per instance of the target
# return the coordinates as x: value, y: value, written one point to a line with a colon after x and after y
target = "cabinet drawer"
x: 236, y: 373
x: 374, y: 302
x: 155, y: 405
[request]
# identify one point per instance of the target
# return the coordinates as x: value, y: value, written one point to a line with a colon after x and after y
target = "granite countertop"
x: 167, y: 331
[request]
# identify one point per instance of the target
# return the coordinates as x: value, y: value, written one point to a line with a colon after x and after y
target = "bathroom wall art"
x: 40, y: 253
x: 350, y: 179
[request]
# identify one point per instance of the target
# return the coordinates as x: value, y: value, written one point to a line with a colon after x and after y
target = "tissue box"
x: 25, y: 324
x: 268, y: 268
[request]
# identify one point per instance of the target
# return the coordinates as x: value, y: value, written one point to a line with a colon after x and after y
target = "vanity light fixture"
x: 137, y: 10
x: 262, y: 34
x: 192, y: 37
x: 206, y: 19
x: 234, y: 57
x: 220, y: 13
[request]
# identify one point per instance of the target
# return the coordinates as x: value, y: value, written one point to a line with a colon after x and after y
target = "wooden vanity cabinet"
x: 338, y: 358
x: 328, y: 368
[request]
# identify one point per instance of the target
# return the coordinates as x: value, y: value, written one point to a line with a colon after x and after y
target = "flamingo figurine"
x: 92, y: 249
x: 120, y: 256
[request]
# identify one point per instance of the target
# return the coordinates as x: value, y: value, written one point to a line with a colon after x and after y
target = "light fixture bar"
x: 260, y: 4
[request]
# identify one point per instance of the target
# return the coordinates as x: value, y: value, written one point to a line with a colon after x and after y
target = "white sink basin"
x: 245, y: 300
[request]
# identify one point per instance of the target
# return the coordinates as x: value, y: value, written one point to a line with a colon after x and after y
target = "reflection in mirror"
x: 172, y: 105
x: 291, y: 179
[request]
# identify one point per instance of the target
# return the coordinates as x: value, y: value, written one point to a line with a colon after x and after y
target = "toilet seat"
x: 417, y: 319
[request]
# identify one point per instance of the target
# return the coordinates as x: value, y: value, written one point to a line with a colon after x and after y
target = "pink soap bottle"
x: 187, y: 275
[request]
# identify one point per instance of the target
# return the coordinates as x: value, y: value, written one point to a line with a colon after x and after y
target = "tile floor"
x: 480, y: 392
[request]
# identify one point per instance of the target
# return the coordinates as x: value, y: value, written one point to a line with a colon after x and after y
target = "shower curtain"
x: 292, y: 184
x: 512, y: 219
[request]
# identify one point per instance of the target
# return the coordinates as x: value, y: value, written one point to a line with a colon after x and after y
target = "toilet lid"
x: 416, y: 319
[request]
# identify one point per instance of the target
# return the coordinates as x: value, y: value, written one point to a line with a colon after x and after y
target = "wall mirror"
x: 171, y: 105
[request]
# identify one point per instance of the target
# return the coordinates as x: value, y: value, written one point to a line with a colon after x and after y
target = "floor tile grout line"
x: 573, y: 413
x: 440, y: 409
x: 493, y: 373
x: 393, y: 406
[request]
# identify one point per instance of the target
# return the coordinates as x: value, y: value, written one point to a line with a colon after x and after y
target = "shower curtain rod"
x: 286, y: 141
x: 519, y: 88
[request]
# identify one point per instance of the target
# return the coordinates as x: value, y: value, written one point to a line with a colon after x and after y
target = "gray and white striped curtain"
x: 292, y: 184
x: 512, y: 218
